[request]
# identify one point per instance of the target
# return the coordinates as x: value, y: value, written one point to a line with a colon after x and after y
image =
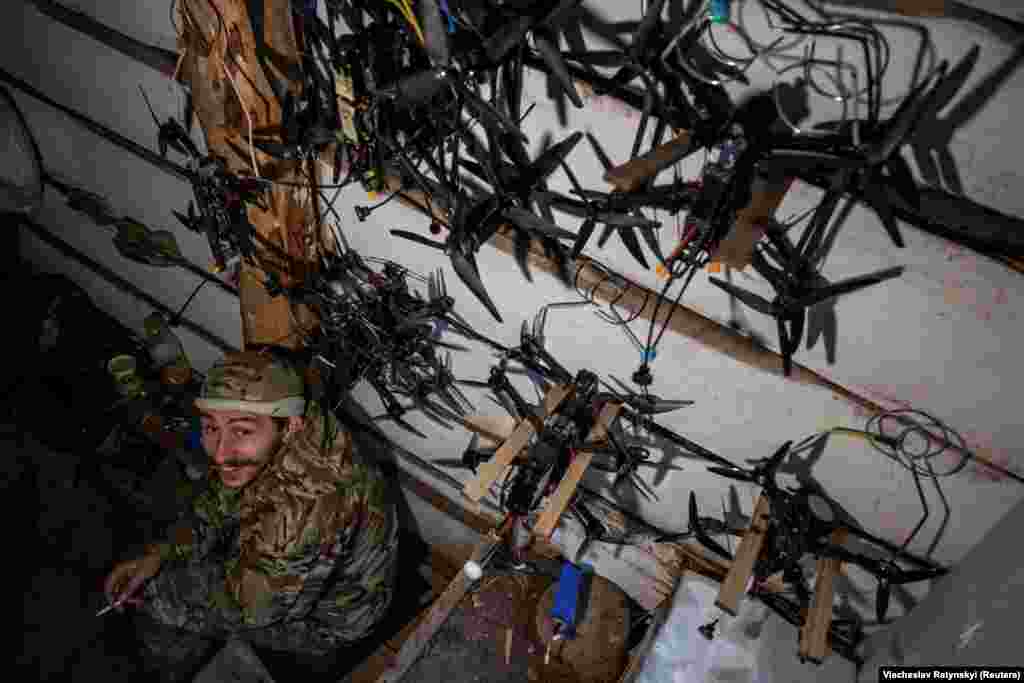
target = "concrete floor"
x: 68, y: 538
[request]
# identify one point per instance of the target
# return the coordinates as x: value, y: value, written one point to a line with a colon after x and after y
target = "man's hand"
x: 127, y: 577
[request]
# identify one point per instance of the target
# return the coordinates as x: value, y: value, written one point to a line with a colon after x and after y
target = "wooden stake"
x: 814, y: 632
x: 508, y: 645
x: 735, y: 583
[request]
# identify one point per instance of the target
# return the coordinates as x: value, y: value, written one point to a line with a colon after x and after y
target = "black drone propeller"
x: 796, y: 291
x: 422, y: 86
x: 461, y: 247
x: 601, y: 208
x: 645, y: 404
x: 471, y: 458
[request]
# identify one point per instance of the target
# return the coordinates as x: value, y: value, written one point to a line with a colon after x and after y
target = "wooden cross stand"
x: 559, y: 500
x: 490, y: 471
x: 814, y: 632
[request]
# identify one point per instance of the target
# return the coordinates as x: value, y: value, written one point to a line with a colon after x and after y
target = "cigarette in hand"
x: 110, y: 607
x: 123, y: 600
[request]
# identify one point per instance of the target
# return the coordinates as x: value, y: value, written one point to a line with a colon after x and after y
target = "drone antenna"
x: 149, y: 105
x: 728, y: 542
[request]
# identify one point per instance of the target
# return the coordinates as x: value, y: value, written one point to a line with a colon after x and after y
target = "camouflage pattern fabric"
x: 255, y: 383
x: 302, y: 559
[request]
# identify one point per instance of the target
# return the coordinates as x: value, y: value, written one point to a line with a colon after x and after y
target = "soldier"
x: 291, y: 546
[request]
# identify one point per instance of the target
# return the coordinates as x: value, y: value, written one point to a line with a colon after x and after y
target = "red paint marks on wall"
x: 982, y: 445
x: 963, y: 289
x: 882, y: 395
x: 892, y: 527
x: 609, y: 105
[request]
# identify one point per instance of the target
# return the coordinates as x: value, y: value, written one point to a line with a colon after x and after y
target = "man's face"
x: 239, y: 444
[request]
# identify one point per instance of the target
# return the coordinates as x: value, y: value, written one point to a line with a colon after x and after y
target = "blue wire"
x: 720, y: 11
x: 451, y: 20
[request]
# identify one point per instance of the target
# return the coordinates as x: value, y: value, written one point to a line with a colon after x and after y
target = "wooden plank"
x: 559, y: 500
x: 495, y: 428
x: 442, y: 608
x: 635, y: 172
x: 599, y: 433
x: 394, y: 643
x: 489, y: 472
x: 922, y: 8
x: 747, y: 230
x: 814, y: 632
x: 908, y: 8
x: 556, y: 395
x: 693, y: 559
x: 735, y: 583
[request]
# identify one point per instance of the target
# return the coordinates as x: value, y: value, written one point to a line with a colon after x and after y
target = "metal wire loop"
x: 756, y: 52
x: 806, y: 66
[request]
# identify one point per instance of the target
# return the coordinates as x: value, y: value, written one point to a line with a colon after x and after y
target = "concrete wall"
x: 942, y: 338
x: 970, y: 616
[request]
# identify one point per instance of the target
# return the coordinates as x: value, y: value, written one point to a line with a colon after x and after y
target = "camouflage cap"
x: 254, y: 383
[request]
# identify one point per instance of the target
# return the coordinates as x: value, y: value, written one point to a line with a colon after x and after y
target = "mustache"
x: 237, y: 463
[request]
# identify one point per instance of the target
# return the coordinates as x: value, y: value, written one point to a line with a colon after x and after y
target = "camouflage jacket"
x: 308, y: 548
